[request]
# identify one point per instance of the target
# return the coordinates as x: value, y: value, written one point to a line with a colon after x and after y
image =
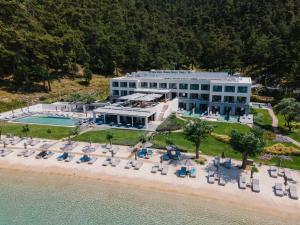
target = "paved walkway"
x: 275, y: 127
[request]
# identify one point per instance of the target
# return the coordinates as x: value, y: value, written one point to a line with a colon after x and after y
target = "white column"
x: 132, y: 121
x: 104, y: 118
x: 118, y: 119
x: 146, y: 122
x: 94, y: 116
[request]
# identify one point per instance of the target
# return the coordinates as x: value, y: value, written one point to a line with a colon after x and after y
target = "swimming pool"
x: 48, y: 120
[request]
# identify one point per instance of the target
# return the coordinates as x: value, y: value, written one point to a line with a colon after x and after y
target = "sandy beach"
x: 265, y: 201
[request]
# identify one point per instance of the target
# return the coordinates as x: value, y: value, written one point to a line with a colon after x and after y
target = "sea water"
x: 35, y: 199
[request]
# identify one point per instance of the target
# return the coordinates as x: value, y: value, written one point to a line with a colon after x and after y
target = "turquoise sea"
x: 35, y: 199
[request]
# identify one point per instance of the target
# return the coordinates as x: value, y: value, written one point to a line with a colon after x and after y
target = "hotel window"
x: 230, y: 89
x: 216, y: 98
x: 153, y: 85
x: 194, y: 96
x: 115, y: 84
x: 204, y: 97
x: 132, y: 85
x: 123, y: 93
x: 183, y: 95
x: 183, y: 86
x: 123, y: 84
x: 242, y: 89
x: 217, y: 88
x: 163, y: 85
x: 205, y: 87
x: 144, y: 84
x: 194, y: 86
x: 172, y: 85
x: 240, y: 99
x: 229, y: 99
x: 115, y: 92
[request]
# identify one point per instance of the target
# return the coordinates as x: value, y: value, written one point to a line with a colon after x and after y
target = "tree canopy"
x: 248, y: 144
x: 41, y: 39
x: 290, y: 109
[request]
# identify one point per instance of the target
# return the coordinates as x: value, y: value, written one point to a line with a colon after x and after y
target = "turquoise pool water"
x: 222, y: 118
x: 49, y: 199
x: 48, y: 120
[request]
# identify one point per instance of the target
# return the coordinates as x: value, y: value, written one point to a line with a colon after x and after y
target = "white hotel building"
x: 200, y: 92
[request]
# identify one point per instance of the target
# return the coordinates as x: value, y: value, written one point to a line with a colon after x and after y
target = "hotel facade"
x: 198, y: 92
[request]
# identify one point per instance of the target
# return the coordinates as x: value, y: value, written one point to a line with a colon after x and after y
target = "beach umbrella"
x: 25, y: 145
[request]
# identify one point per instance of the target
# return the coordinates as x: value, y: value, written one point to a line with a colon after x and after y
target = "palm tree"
x: 25, y: 129
x: 109, y: 137
x: 196, y: 131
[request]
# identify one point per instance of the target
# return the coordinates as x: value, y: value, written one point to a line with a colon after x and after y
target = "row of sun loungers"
x: 26, y: 153
x: 67, y: 157
x: 87, y: 159
x: 44, y: 155
x: 183, y: 172
x: 134, y: 164
x: 69, y: 146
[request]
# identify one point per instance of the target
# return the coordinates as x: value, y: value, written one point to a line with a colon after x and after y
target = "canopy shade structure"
x: 157, y: 91
x: 125, y: 111
x: 141, y: 97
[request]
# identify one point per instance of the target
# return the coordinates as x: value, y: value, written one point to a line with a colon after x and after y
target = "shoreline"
x: 238, y: 199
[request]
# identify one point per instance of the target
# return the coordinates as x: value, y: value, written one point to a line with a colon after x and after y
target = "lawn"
x: 209, y: 146
x: 172, y: 123
x: 38, y: 131
x: 295, y: 133
x: 120, y: 137
x: 262, y: 118
x: 226, y: 128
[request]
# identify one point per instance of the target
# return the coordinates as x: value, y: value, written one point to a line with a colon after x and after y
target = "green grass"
x: 9, y: 106
x: 262, y: 118
x: 38, y: 131
x: 295, y: 133
x: 209, y: 146
x: 172, y: 123
x: 120, y: 137
x: 226, y: 128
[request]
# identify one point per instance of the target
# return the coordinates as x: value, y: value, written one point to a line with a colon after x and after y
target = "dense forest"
x: 40, y: 39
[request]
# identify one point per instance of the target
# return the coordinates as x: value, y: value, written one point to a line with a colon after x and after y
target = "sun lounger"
x: 155, y: 168
x: 216, y: 161
x: 128, y: 164
x: 45, y: 146
x: 182, y: 172
x: 138, y: 165
x: 193, y: 172
x: 165, y: 170
x: 49, y: 155
x: 115, y: 162
x: 5, y: 152
x: 255, y: 185
x: 166, y: 157
x: 22, y: 152
x: 288, y: 174
x: 279, y: 189
x: 222, y: 181
x: 107, y: 161
x: 28, y: 153
x: 34, y: 142
x: 83, y: 159
x: 92, y: 160
x: 69, y: 158
x: 63, y: 156
x: 211, y: 177
x: 273, y: 171
x: 15, y: 141
x: 242, y: 182
x: 41, y: 154
x: 293, y: 192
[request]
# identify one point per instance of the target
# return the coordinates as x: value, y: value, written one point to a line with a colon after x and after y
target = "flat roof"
x: 185, y: 75
x: 125, y: 111
x: 141, y: 97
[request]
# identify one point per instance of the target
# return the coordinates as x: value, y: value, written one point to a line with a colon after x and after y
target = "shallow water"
x: 48, y: 199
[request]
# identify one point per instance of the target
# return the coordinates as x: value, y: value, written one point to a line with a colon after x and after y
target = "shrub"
x: 280, y: 149
x: 268, y: 135
x: 221, y: 137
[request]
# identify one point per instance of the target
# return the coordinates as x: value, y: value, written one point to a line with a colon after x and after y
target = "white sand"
x: 264, y: 201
